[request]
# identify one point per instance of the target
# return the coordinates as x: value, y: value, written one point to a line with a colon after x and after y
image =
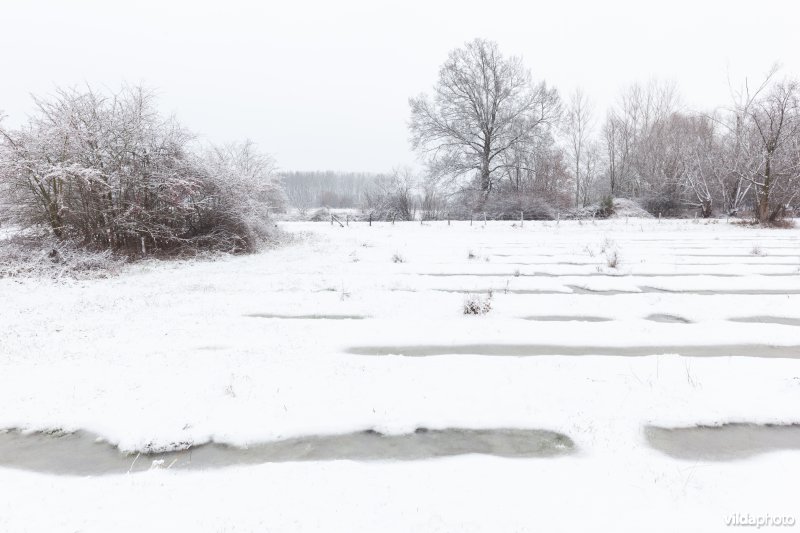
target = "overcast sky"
x: 325, y: 85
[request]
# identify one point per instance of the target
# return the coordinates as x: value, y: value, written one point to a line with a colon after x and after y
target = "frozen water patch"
x: 669, y: 319
x: 577, y: 289
x: 722, y: 443
x: 531, y: 350
x: 306, y: 317
x: 567, y: 318
x: 785, y: 321
x: 712, y: 292
x: 83, y: 454
x: 497, y: 290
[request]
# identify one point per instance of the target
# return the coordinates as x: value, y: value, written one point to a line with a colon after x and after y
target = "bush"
x: 612, y: 259
x: 662, y: 204
x: 108, y: 173
x: 502, y: 205
x: 476, y: 304
x: 392, y: 198
x: 606, y: 207
x: 320, y: 215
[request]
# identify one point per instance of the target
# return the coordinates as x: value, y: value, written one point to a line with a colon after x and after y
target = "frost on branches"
x: 108, y: 172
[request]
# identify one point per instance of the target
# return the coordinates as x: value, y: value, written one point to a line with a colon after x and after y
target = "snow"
x: 182, y: 352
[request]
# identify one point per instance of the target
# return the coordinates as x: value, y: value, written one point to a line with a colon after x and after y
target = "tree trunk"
x: 706, y: 208
x: 56, y: 222
x: 762, y: 193
x: 486, y: 183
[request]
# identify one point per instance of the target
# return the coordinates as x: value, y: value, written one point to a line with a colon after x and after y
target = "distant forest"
x: 307, y: 190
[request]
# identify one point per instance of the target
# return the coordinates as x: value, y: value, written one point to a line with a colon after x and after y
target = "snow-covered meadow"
x: 603, y: 332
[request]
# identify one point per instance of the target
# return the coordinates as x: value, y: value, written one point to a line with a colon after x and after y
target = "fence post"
x: 370, y: 219
x: 393, y: 215
x: 484, y: 218
x: 521, y: 218
x: 331, y: 219
x: 448, y: 219
x: 347, y: 220
x: 470, y: 218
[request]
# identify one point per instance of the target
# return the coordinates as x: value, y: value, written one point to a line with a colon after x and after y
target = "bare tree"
x: 393, y: 197
x: 639, y: 135
x: 771, y: 131
x: 620, y: 137
x: 483, y: 106
x: 592, y: 161
x: 578, y: 125
x: 698, y: 161
x: 300, y: 196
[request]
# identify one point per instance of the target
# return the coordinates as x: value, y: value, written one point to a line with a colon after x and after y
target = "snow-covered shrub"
x: 47, y: 256
x: 476, y: 304
x: 397, y: 258
x: 606, y: 207
x: 503, y: 205
x: 511, y: 206
x: 609, y: 249
x: 243, y: 192
x: 320, y: 215
x: 624, y: 207
x: 107, y: 172
x: 432, y: 203
x: 612, y: 258
x: 660, y: 203
x: 393, y: 197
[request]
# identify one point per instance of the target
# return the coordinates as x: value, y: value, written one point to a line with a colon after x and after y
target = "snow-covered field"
x: 362, y: 328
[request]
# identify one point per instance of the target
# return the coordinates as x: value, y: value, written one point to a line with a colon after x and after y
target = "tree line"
x: 317, y: 189
x: 495, y: 140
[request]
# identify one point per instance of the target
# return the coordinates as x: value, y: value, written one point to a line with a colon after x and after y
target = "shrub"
x: 606, y: 207
x: 392, y: 197
x: 511, y: 206
x: 662, y: 204
x: 107, y: 172
x: 612, y: 259
x: 476, y: 304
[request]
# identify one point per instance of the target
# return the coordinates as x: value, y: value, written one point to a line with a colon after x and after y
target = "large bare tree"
x: 483, y: 106
x: 775, y: 131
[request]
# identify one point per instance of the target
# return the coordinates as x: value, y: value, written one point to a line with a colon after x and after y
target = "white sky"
x: 324, y: 85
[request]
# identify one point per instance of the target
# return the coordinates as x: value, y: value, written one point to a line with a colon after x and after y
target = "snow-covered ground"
x: 361, y: 328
